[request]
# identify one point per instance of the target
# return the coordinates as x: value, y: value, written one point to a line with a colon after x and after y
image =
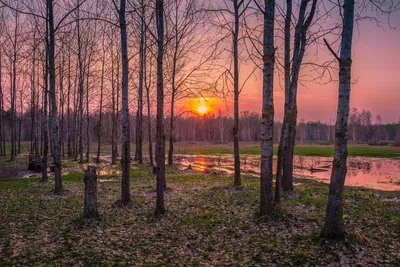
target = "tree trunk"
x: 292, y: 70
x: 149, y: 112
x: 171, y: 127
x: 61, y: 85
x: 87, y: 115
x: 45, y: 135
x: 283, y: 139
x: 267, y: 123
x: 160, y: 136
x: 139, y: 120
x: 2, y: 123
x: 69, y: 148
x: 237, y: 180
x: 126, y: 153
x: 13, y: 83
x: 81, y: 83
x: 90, y: 204
x: 100, y: 125
x: 333, y: 227
x: 53, y: 98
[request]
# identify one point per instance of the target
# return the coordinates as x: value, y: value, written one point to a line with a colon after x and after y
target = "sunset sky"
x: 376, y: 68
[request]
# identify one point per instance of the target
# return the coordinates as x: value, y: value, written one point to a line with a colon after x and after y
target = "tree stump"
x: 35, y: 163
x: 90, y: 206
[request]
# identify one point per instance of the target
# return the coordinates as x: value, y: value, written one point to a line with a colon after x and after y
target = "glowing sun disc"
x: 202, y: 109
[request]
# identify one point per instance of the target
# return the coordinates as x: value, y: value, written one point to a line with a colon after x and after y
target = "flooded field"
x: 377, y: 173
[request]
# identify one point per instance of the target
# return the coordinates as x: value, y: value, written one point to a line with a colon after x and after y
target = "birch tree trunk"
x: 126, y: 153
x: 160, y: 136
x: 267, y: 122
x: 333, y: 227
x: 53, y: 98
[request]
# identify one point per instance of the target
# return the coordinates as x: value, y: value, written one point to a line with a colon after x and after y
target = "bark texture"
x: 160, y: 136
x: 237, y: 180
x: 139, y: 118
x: 90, y: 204
x: 333, y: 227
x: 267, y: 123
x: 126, y: 152
x: 53, y: 100
x: 292, y: 72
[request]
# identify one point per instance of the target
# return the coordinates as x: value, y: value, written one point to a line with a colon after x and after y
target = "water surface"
x: 376, y: 173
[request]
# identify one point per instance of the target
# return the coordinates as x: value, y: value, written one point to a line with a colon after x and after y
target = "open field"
x: 306, y: 149
x: 208, y: 223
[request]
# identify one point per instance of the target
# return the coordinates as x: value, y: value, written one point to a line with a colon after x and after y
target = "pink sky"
x: 376, y: 65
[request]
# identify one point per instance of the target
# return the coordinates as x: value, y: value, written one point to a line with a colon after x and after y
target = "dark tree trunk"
x: 81, y: 85
x: 237, y: 180
x: 69, y: 148
x: 2, y: 124
x: 53, y: 98
x: 100, y: 124
x: 160, y: 136
x: 126, y: 153
x: 139, y: 119
x: 149, y: 115
x: 61, y: 86
x: 90, y: 204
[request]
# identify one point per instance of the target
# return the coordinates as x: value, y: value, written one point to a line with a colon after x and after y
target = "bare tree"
x: 100, y: 122
x: 267, y: 128
x: 126, y: 153
x: 142, y: 59
x: 148, y: 83
x: 160, y: 135
x: 292, y: 73
x: 333, y: 226
x: 53, y: 99
x: 235, y: 9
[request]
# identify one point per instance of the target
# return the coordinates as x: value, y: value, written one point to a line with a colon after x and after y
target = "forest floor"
x: 208, y: 223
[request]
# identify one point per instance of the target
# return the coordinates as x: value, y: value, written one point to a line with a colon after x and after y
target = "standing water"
x: 376, y: 173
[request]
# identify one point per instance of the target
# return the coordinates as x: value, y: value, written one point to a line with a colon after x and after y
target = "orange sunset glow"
x: 201, y: 106
x: 200, y: 132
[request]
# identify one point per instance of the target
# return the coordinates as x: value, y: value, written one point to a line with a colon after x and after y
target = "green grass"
x: 208, y: 222
x: 306, y: 149
x: 355, y: 150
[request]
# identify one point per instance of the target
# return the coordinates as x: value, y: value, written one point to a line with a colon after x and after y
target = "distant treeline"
x: 218, y: 128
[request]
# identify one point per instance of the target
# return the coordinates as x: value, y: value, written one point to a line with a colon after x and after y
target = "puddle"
x: 376, y: 173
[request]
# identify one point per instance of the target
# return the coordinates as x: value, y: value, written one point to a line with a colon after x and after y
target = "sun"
x: 202, y: 109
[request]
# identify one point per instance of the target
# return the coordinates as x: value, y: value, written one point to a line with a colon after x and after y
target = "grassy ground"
x: 208, y: 223
x: 307, y: 149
